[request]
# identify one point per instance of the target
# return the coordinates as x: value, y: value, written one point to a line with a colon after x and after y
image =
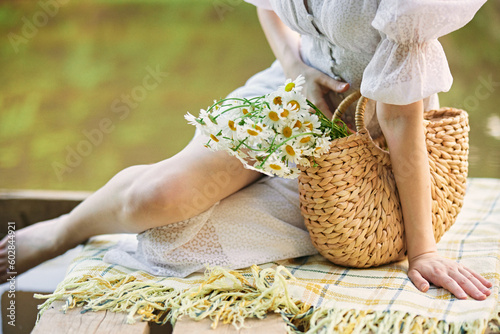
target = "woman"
x: 388, y: 48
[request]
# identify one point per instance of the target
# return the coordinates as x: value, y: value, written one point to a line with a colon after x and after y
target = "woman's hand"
x: 402, y: 128
x: 454, y: 277
x: 317, y: 85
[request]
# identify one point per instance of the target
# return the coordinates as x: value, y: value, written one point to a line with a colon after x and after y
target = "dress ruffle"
x: 409, y: 63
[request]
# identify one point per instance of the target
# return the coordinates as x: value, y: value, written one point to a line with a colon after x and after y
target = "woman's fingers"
x: 466, y: 285
x: 452, y: 286
x: 449, y: 275
x: 417, y: 279
x: 330, y: 83
x: 483, y: 280
x: 317, y: 85
x: 479, y: 281
x: 460, y: 285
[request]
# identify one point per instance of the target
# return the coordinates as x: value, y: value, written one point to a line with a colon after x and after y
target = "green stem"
x: 241, y: 143
x: 234, y: 107
x: 318, y: 112
x: 234, y: 99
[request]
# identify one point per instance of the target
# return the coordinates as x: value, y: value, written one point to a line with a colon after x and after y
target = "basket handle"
x: 360, y: 109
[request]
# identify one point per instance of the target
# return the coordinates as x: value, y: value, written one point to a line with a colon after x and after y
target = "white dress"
x: 386, y: 48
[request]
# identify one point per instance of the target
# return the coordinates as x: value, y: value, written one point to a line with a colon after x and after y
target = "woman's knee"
x: 158, y: 197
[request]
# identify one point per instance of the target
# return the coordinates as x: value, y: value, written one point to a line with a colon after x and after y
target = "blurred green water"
x: 78, y: 91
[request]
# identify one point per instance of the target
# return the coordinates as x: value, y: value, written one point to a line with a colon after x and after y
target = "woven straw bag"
x: 350, y: 201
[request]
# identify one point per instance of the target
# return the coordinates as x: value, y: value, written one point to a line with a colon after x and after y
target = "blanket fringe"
x: 227, y: 297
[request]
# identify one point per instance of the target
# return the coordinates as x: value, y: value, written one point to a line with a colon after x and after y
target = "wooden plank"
x: 54, y: 321
x: 26, y: 207
x: 493, y: 324
x: 272, y: 324
x: 21, y: 319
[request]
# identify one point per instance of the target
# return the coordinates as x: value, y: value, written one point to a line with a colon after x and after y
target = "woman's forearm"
x: 284, y: 42
x: 404, y: 132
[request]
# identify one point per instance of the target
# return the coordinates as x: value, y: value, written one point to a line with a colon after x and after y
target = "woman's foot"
x: 33, y: 245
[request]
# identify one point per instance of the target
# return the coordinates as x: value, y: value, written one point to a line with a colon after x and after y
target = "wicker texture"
x: 350, y: 201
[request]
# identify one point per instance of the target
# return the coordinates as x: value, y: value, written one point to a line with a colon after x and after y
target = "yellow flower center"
x: 252, y: 132
x: 214, y: 138
x: 295, y: 105
x: 308, y: 125
x: 305, y: 139
x: 287, y: 132
x: 285, y: 113
x: 290, y: 150
x: 273, y: 116
x: 289, y: 87
x: 275, y: 167
x: 297, y: 124
x: 277, y: 100
x: 245, y: 111
x: 230, y: 123
x: 258, y: 128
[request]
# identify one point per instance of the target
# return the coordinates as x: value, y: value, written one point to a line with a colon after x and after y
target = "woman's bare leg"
x: 134, y: 200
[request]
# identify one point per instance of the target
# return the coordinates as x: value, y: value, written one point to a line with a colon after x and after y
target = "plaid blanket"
x: 312, y: 294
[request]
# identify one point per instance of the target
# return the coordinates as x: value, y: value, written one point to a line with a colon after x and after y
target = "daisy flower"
x: 291, y: 152
x: 294, y: 102
x: 286, y: 131
x: 321, y: 147
x: 304, y: 162
x: 275, y: 166
x: 202, y: 123
x: 272, y: 117
x: 295, y: 85
x: 208, y: 118
x: 306, y: 140
x: 254, y: 133
x: 275, y: 99
x: 292, y: 174
x: 307, y: 152
x: 217, y: 142
x: 229, y: 127
x: 191, y: 119
x: 287, y: 114
x: 309, y: 123
x: 244, y: 110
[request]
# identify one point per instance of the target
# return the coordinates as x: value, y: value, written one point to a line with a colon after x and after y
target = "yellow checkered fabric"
x: 474, y: 240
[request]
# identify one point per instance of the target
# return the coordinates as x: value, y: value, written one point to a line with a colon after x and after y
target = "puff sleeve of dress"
x: 265, y: 4
x: 409, y: 63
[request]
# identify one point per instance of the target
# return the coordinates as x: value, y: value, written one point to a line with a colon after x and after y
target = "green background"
x: 69, y: 76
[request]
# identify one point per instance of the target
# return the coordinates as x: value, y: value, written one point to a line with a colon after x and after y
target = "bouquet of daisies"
x: 272, y: 134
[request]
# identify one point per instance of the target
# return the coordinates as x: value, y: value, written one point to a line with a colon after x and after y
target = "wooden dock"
x: 105, y: 322
x: 28, y: 207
